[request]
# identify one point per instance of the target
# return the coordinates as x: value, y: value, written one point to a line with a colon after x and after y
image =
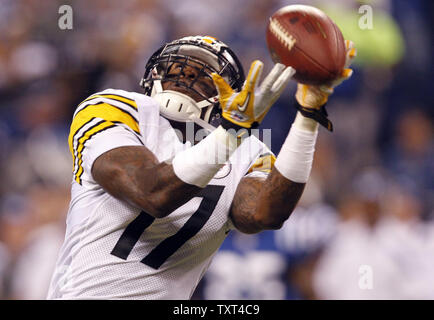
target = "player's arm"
x: 266, y: 203
x: 105, y: 148
x: 261, y: 204
x: 134, y: 174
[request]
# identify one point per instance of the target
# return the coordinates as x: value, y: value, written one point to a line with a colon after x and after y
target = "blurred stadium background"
x: 364, y: 228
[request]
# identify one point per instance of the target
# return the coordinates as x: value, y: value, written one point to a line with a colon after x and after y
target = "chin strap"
x: 180, y: 107
x: 204, y: 124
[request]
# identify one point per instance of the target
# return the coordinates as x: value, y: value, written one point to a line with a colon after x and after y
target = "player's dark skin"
x: 133, y: 174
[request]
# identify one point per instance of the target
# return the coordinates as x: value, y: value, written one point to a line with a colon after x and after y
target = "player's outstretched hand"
x: 248, y: 107
x: 316, y: 96
x: 311, y: 99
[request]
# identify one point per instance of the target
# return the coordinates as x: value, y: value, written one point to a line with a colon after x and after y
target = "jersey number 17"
x: 131, y: 235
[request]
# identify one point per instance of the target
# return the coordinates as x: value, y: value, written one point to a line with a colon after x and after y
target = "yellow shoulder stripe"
x: 103, y: 111
x: 108, y: 116
x: 264, y: 163
x: 116, y: 97
x: 82, y: 140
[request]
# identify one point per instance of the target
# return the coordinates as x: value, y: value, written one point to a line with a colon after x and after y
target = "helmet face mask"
x: 172, y: 73
x: 200, y: 57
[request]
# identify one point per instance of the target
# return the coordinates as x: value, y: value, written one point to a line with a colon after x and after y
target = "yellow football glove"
x: 311, y: 99
x: 248, y: 107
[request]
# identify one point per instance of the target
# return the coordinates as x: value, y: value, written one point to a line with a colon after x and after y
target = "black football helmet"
x: 207, y: 55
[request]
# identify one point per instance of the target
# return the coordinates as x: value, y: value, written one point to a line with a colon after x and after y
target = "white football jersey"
x: 113, y: 250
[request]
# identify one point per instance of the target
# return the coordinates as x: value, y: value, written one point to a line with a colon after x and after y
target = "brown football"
x: 306, y: 39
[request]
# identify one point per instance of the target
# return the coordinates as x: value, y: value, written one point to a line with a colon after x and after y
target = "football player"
x: 149, y: 208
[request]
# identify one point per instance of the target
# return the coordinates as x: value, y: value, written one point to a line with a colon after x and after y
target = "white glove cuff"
x: 295, y: 158
x: 199, y: 164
